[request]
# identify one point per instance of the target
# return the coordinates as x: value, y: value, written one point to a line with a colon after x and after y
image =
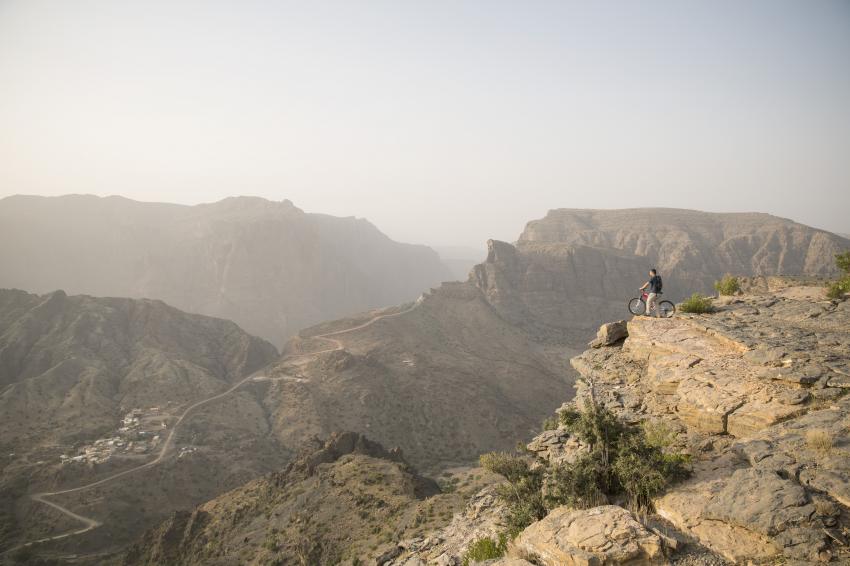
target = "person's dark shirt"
x: 655, y: 284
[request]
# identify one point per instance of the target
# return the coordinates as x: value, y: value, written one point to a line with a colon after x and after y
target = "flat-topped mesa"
x: 757, y: 392
x: 691, y: 248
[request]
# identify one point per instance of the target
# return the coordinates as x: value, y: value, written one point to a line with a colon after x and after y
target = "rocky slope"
x: 445, y: 379
x: 574, y: 269
x: 268, y: 266
x: 72, y: 367
x: 341, y: 499
x: 757, y: 392
x: 78, y: 360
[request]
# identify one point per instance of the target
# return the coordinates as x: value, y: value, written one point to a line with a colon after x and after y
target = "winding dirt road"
x: 90, y: 523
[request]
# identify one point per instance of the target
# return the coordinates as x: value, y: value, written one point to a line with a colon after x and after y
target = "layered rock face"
x: 757, y: 393
x: 266, y: 265
x: 692, y: 247
x: 575, y: 269
x: 555, y: 292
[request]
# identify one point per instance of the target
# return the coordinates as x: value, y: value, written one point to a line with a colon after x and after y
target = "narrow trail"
x: 90, y: 524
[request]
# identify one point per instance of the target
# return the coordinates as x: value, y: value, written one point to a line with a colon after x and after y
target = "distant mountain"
x: 268, y: 266
x: 468, y: 367
x: 73, y: 367
x: 575, y: 269
x: 691, y: 245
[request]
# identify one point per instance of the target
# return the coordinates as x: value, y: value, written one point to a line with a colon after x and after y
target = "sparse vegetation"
x: 837, y: 289
x: 696, y: 304
x: 485, y: 549
x: 820, y: 441
x: 728, y: 285
x: 621, y: 461
x: 523, y: 491
x: 658, y: 433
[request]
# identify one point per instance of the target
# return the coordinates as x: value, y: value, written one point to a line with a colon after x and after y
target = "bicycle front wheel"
x: 666, y: 309
x: 637, y: 307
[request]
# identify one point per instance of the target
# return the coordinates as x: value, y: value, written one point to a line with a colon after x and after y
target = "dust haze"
x: 444, y: 124
x: 404, y: 284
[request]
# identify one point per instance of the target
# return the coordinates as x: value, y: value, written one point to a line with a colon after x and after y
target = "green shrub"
x: 621, y: 461
x: 568, y: 416
x: 696, y: 304
x: 485, y: 549
x: 523, y: 492
x: 728, y: 285
x: 658, y: 433
x: 551, y: 423
x: 577, y: 485
x: 837, y: 289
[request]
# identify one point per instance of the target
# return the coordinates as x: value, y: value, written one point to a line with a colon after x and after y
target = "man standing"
x: 654, y: 289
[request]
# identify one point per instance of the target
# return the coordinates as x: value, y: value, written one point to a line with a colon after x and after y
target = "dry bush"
x: 696, y: 304
x: 728, y: 285
x: 819, y: 440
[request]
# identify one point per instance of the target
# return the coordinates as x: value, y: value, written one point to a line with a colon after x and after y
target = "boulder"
x: 610, y: 333
x: 605, y: 535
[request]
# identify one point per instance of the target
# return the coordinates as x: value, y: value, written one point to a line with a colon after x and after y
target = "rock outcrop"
x: 610, y: 333
x: 756, y: 392
x: 606, y: 535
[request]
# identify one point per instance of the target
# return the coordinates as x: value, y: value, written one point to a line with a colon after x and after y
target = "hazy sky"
x: 443, y: 122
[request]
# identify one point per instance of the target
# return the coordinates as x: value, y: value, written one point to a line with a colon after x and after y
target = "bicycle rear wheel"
x: 666, y: 309
x: 637, y: 307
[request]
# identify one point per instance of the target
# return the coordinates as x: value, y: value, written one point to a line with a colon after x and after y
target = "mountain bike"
x: 637, y: 306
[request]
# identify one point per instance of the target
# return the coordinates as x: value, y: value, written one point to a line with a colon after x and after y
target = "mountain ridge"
x: 267, y: 265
